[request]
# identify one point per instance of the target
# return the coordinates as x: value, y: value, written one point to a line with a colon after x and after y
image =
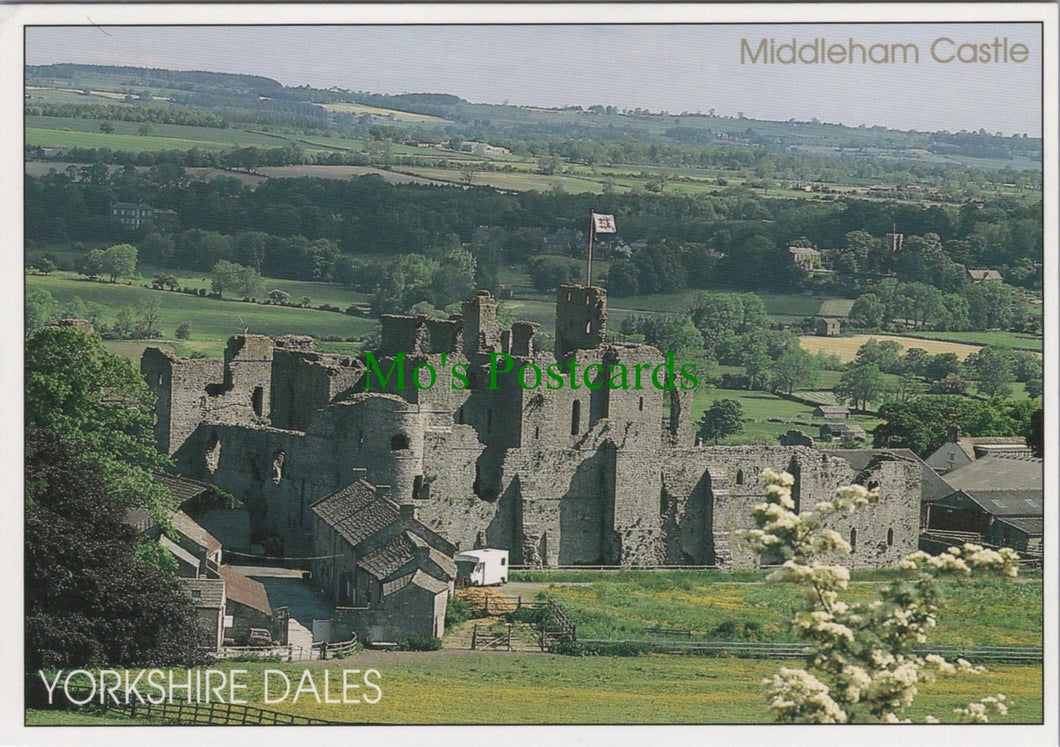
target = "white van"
x: 482, y: 567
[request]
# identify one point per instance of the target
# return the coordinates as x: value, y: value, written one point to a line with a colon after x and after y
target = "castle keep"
x: 564, y: 476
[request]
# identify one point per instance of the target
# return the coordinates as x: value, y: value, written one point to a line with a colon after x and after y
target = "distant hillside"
x: 260, y: 100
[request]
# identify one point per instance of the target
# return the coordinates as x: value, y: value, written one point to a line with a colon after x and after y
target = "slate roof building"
x: 1000, y: 498
x: 959, y: 450
x: 831, y: 412
x: 843, y: 432
x: 393, y: 572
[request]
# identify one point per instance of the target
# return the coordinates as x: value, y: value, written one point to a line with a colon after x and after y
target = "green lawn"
x: 622, y: 605
x: 997, y: 339
x: 210, y: 319
x: 84, y: 133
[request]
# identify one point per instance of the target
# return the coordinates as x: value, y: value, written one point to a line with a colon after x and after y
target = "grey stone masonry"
x: 577, y: 464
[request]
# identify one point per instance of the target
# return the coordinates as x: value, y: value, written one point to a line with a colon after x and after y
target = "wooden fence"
x: 782, y: 650
x: 206, y: 714
x: 291, y: 652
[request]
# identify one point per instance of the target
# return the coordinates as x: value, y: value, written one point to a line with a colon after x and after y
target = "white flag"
x: 603, y: 223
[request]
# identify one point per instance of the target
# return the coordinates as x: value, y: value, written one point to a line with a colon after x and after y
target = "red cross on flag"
x: 603, y: 223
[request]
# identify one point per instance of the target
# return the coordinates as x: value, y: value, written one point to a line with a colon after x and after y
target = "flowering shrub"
x: 862, y: 666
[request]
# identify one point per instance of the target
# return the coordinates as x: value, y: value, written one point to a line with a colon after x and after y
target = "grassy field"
x: 400, y: 116
x: 84, y: 133
x: 464, y: 687
x: 622, y: 605
x: 1015, y: 340
x: 210, y: 319
x: 847, y: 347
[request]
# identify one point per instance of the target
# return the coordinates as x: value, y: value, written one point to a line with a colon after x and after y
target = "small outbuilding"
x: 831, y: 412
x: 826, y: 327
x: 842, y: 432
x: 484, y: 567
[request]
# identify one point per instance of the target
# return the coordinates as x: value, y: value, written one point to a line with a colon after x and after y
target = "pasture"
x: 473, y: 687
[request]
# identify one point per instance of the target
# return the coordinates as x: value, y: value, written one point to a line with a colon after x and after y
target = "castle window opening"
x: 213, y: 453
x: 890, y: 537
x: 537, y: 433
x: 398, y: 442
x: 641, y: 405
x: 257, y: 400
x: 739, y: 477
x: 575, y: 417
x: 161, y: 379
x: 417, y: 485
x: 568, y: 295
x: 588, y: 326
x: 853, y: 540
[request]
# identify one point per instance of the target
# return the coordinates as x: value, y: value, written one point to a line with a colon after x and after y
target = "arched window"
x: 739, y: 477
x: 853, y: 540
x: 890, y: 537
x: 575, y: 417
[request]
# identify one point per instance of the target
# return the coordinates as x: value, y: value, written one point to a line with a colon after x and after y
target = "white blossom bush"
x: 862, y: 666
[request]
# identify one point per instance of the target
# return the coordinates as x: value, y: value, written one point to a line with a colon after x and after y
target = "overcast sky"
x: 673, y: 67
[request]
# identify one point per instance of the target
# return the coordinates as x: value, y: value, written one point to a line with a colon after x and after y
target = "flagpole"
x: 592, y: 232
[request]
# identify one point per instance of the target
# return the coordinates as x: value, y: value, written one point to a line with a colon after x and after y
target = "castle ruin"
x: 574, y: 475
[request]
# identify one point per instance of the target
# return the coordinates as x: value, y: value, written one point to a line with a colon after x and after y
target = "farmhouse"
x: 1000, y: 498
x: 136, y: 214
x: 979, y: 276
x: 579, y: 474
x: 842, y: 432
x: 805, y: 257
x: 959, y: 450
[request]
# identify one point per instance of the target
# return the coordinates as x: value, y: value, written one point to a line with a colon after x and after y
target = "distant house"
x: 842, y: 432
x: 831, y: 412
x: 826, y: 328
x: 979, y: 276
x: 483, y: 149
x: 805, y: 257
x: 961, y: 450
x: 1001, y: 498
x: 392, y: 573
x: 135, y: 214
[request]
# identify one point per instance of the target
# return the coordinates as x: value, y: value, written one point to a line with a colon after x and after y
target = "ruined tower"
x: 581, y: 318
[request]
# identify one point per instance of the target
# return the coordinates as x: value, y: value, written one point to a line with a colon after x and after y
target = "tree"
x: 41, y: 308
x: 860, y: 385
x: 244, y: 281
x: 795, y: 369
x: 884, y: 353
x: 622, y: 278
x: 91, y: 264
x: 44, y: 266
x: 723, y: 418
x: 861, y: 666
x: 91, y: 601
x: 279, y: 297
x: 150, y: 316
x: 106, y: 128
x: 119, y: 261
x: 868, y: 312
x: 184, y: 331
x: 995, y: 373
x: 923, y: 424
x: 84, y: 394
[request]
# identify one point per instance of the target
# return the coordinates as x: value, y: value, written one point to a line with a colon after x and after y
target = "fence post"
x: 509, y: 636
x: 474, y: 636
